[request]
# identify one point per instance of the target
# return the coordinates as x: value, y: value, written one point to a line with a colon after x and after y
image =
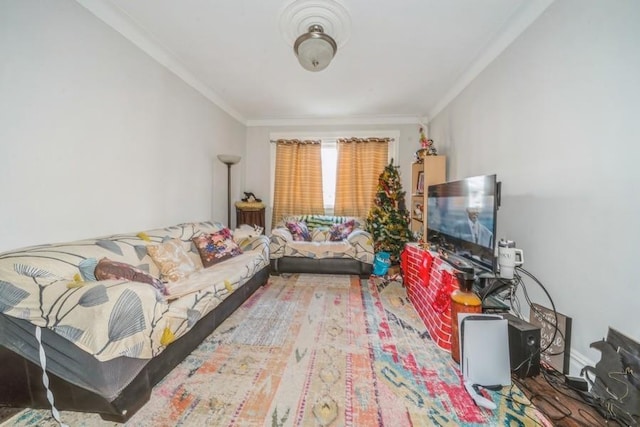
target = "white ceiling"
x: 403, y: 59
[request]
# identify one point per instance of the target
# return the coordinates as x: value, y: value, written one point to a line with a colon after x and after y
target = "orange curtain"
x: 360, y: 163
x: 298, y: 179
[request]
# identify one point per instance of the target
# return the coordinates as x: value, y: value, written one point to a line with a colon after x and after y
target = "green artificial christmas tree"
x: 388, y: 219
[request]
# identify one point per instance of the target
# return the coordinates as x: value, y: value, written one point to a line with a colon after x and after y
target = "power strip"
x: 576, y: 383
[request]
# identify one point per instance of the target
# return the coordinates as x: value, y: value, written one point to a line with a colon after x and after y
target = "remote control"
x: 478, y: 398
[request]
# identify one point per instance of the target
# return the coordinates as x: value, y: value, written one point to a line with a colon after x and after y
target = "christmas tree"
x: 388, y: 219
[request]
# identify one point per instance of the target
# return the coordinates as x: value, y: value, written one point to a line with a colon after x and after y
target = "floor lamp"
x: 229, y: 159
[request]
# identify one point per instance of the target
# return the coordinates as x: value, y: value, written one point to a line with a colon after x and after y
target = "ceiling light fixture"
x: 315, y: 49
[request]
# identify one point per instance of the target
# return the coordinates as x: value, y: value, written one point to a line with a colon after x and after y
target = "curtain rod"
x: 344, y: 139
x: 296, y: 141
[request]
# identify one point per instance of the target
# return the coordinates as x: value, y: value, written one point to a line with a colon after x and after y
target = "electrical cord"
x: 552, y: 376
x: 509, y: 396
x: 555, y: 379
x: 518, y: 282
x: 545, y: 404
x: 514, y: 302
x: 553, y: 306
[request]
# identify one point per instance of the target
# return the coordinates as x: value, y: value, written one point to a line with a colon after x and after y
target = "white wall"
x: 556, y: 116
x: 258, y: 152
x: 95, y: 136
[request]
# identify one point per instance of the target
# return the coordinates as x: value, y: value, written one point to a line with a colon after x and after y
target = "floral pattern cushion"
x: 299, y: 231
x: 216, y: 247
x: 172, y: 260
x: 340, y: 232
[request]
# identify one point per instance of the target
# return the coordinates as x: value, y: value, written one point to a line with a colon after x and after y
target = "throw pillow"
x: 341, y: 231
x: 299, y: 230
x: 216, y: 247
x: 320, y: 234
x: 108, y: 269
x: 172, y: 260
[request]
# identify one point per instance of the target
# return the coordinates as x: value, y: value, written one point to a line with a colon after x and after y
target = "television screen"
x: 461, y: 218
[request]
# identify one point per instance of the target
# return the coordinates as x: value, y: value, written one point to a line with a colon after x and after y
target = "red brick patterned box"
x: 429, y: 282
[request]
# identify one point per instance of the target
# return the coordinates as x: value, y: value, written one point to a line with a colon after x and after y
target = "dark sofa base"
x: 21, y: 380
x: 320, y: 266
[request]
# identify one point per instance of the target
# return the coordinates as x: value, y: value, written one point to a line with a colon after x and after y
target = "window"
x: 329, y: 163
x: 329, y: 156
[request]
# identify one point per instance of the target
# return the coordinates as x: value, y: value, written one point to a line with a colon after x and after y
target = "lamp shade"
x: 315, y: 49
x: 229, y: 159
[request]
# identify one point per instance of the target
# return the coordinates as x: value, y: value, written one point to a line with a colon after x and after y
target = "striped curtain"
x: 298, y: 179
x: 360, y: 163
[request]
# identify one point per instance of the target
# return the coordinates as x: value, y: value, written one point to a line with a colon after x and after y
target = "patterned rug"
x: 316, y: 350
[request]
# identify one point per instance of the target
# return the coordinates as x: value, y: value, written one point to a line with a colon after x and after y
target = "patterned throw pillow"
x: 299, y: 231
x: 172, y: 260
x: 216, y: 247
x: 108, y: 269
x: 340, y: 232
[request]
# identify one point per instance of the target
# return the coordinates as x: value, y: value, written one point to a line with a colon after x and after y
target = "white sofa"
x: 107, y: 342
x: 351, y: 255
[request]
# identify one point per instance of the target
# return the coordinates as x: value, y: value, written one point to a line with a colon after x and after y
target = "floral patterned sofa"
x: 321, y: 244
x: 109, y: 317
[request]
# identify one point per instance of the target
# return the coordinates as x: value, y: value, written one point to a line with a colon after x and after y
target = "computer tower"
x: 524, y: 347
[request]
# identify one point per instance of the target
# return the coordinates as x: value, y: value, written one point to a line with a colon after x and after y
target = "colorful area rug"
x: 316, y: 350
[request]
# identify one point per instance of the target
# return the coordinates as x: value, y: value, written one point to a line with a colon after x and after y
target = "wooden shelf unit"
x: 434, y: 171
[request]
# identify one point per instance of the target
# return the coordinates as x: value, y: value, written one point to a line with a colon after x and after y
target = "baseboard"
x: 577, y: 361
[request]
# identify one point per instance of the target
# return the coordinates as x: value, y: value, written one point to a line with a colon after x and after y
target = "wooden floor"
x: 563, y: 406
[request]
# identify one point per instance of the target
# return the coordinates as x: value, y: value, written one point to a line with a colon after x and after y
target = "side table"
x: 251, y: 213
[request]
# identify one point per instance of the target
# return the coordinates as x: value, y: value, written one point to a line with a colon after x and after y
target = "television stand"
x: 487, y: 285
x: 458, y: 262
x: 429, y: 281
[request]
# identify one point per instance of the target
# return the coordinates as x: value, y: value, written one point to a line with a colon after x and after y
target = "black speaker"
x: 524, y: 347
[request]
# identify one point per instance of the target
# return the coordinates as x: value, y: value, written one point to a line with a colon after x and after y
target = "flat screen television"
x: 461, y: 218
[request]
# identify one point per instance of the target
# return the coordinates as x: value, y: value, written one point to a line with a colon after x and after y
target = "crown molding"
x: 517, y: 24
x: 333, y: 121
x: 127, y: 27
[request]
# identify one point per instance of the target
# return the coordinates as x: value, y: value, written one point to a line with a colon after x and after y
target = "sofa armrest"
x: 278, y: 241
x: 256, y: 243
x: 362, y: 241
